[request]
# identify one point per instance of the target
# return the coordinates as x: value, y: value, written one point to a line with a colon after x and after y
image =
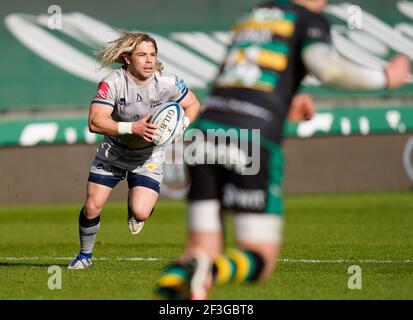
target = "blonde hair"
x: 126, y: 44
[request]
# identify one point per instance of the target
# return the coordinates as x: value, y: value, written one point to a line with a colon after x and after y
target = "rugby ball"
x: 168, y: 117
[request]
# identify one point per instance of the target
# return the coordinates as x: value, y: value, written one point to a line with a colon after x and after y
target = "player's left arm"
x: 323, y: 61
x: 191, y: 106
x: 336, y: 71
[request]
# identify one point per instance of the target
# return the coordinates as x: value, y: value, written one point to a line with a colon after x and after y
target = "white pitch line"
x: 285, y: 260
x: 71, y: 258
x: 345, y: 261
x: 139, y: 259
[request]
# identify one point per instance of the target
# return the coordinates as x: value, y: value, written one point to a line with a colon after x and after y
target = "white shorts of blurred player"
x: 204, y: 216
x: 257, y: 232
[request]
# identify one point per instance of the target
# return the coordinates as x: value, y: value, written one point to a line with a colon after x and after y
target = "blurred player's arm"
x: 333, y: 70
x: 100, y: 121
x: 302, y: 108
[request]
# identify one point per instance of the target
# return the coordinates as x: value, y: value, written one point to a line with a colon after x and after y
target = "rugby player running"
x: 120, y: 111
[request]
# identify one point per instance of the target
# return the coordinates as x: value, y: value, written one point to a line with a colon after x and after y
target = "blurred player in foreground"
x: 274, y: 47
x: 120, y: 111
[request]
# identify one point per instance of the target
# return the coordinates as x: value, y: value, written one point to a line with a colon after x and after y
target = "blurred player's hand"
x: 144, y: 129
x: 302, y: 108
x: 397, y: 71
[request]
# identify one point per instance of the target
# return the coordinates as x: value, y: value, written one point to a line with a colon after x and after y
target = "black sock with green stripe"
x: 172, y: 284
x: 237, y: 266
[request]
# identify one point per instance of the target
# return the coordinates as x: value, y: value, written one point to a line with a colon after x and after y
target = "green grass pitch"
x: 324, y: 235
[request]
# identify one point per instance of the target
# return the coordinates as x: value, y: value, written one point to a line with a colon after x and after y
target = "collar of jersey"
x: 134, y: 83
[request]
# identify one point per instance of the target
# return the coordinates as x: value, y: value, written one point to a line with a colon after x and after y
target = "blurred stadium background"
x: 357, y: 142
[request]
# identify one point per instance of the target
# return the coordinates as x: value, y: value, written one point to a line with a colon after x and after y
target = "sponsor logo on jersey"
x: 314, y: 33
x: 122, y: 102
x: 248, y: 199
x: 151, y: 166
x: 180, y: 83
x: 155, y: 103
x: 138, y: 98
x: 103, y: 89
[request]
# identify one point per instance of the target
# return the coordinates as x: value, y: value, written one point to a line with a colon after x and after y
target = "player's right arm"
x: 100, y: 120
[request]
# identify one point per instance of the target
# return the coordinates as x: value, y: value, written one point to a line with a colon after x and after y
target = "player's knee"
x: 92, y: 209
x: 141, y: 213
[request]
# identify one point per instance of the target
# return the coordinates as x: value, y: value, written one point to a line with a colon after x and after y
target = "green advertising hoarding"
x: 338, y: 121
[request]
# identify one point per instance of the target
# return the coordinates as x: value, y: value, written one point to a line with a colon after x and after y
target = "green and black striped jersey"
x: 263, y: 68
